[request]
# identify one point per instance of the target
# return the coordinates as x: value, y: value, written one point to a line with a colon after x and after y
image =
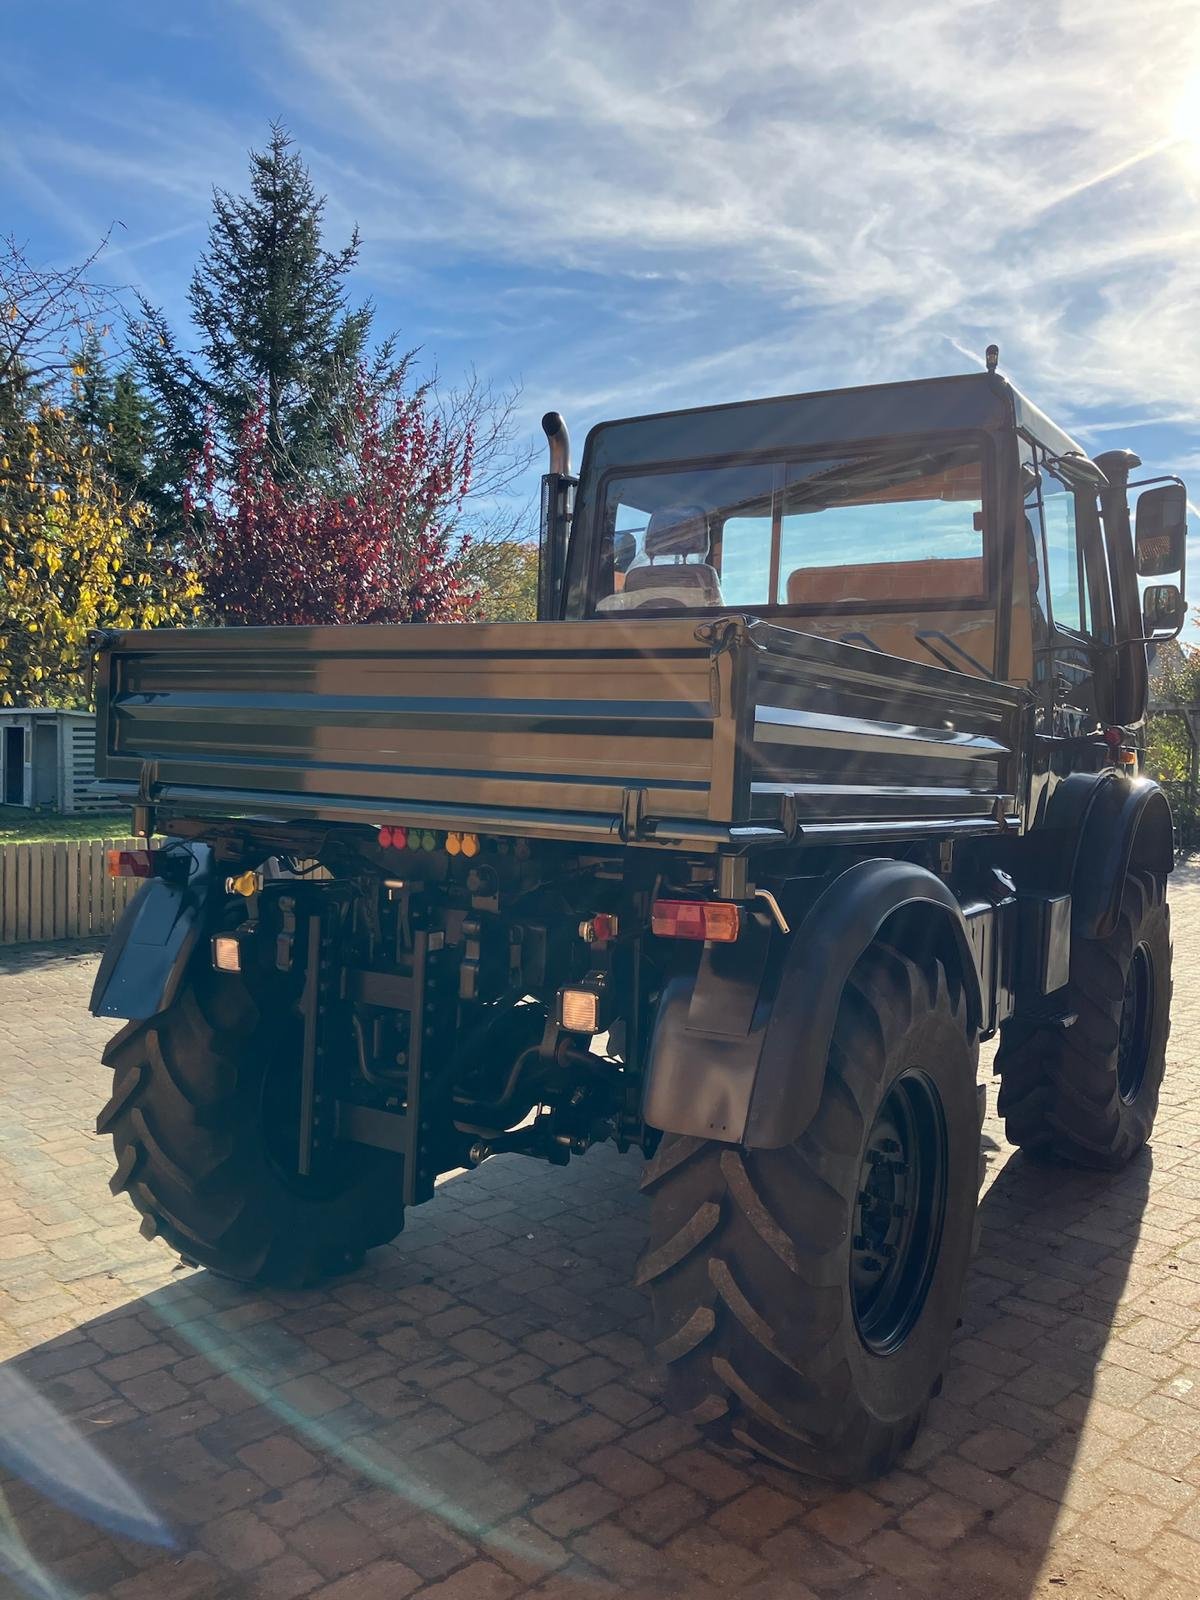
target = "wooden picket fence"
x: 61, y: 889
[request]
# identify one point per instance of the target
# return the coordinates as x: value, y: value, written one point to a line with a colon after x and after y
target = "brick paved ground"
x: 473, y: 1416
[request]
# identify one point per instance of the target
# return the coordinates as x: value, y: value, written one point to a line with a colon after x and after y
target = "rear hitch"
x: 536, y: 1141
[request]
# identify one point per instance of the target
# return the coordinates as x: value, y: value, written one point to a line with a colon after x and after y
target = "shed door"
x: 14, y: 766
x: 45, y: 763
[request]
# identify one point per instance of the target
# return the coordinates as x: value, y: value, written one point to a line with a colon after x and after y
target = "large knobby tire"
x: 1087, y: 1093
x: 203, y: 1117
x: 781, y: 1331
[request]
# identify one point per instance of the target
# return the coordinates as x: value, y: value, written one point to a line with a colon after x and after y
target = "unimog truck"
x: 819, y: 767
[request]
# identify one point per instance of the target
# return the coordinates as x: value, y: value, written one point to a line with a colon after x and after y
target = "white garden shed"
x: 47, y: 759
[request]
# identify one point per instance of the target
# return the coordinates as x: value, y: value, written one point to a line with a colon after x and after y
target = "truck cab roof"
x: 797, y: 422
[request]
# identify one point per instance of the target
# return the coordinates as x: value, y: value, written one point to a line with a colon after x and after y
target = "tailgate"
x: 544, y: 728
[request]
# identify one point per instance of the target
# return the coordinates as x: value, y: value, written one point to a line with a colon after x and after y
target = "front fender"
x: 1127, y: 822
x: 738, y: 1051
x: 145, y: 959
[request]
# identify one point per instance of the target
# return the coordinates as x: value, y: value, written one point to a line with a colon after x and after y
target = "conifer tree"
x: 274, y: 326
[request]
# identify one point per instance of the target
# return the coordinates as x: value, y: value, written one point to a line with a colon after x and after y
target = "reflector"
x: 718, y: 920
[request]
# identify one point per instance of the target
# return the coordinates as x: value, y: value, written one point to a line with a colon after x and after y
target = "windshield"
x: 902, y: 527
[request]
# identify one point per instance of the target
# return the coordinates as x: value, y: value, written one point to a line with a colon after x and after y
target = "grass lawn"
x: 25, y: 827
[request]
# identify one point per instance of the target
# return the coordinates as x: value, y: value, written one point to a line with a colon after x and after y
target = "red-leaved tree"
x: 376, y: 544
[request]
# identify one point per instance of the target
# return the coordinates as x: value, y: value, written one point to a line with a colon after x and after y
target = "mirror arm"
x: 1167, y: 477
x: 1147, y: 638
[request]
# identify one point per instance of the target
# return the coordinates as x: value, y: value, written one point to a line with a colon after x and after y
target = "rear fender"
x: 739, y: 1048
x: 148, y: 953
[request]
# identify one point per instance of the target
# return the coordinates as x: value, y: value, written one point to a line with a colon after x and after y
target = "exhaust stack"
x: 559, y: 440
x: 558, y: 500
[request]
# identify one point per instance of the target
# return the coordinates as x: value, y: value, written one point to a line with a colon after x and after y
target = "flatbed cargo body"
x: 670, y: 732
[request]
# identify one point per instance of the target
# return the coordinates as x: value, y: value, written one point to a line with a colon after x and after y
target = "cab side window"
x: 1051, y: 509
x: 1063, y: 556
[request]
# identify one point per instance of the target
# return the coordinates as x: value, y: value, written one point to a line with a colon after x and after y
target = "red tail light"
x: 131, y: 863
x: 696, y: 919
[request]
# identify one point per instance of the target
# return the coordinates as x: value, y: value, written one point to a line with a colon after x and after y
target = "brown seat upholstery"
x: 959, y: 579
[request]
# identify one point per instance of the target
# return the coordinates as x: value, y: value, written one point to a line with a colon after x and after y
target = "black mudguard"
x: 739, y: 1048
x: 1126, y: 822
x: 144, y: 961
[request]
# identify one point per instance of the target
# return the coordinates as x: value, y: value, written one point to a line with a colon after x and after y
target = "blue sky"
x: 630, y: 208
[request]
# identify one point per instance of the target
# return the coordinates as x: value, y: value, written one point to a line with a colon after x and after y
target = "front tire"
x: 1087, y: 1094
x: 805, y: 1298
x: 204, y: 1119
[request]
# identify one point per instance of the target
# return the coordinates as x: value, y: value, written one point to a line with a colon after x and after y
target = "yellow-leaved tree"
x: 74, y: 555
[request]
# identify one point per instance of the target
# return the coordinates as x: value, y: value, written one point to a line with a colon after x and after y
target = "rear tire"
x: 1087, y: 1094
x: 201, y: 1119
x: 778, y: 1333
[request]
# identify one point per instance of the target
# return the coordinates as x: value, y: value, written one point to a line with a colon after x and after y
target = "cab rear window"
x: 902, y: 526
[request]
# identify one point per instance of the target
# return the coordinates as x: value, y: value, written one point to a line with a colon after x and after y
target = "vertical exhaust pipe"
x: 558, y: 499
x: 559, y: 440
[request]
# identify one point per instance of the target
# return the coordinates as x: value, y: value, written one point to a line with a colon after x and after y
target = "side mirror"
x: 1164, y: 611
x: 1161, y: 530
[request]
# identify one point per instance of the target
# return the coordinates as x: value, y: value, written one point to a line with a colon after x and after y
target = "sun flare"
x: 1186, y: 121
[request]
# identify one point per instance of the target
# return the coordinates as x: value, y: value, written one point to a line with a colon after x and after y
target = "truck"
x: 819, y: 766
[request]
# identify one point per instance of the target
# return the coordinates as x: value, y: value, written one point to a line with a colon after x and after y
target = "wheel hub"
x: 899, y: 1213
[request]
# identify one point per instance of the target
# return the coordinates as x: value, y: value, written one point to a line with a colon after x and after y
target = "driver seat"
x: 670, y: 579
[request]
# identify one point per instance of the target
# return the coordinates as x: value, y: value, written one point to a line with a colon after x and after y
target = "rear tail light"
x: 131, y: 863
x: 718, y: 920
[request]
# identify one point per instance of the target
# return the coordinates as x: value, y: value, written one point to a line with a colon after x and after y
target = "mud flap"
x: 152, y: 944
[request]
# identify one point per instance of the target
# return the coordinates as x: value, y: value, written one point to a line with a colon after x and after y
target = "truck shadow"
x: 480, y: 1395
x: 19, y: 958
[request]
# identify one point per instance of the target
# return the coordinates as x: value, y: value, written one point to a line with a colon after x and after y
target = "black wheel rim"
x: 1137, y: 1020
x: 899, y: 1213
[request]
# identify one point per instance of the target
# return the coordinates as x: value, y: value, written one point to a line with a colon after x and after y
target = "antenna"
x: 992, y: 357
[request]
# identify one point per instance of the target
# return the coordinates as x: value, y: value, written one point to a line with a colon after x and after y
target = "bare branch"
x: 45, y: 312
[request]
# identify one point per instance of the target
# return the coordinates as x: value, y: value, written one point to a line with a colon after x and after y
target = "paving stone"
x: 242, y: 1541
x: 381, y: 1580
x: 278, y: 1460
x: 574, y: 1508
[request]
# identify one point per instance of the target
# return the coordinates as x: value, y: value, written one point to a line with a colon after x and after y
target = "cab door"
x: 1074, y: 662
